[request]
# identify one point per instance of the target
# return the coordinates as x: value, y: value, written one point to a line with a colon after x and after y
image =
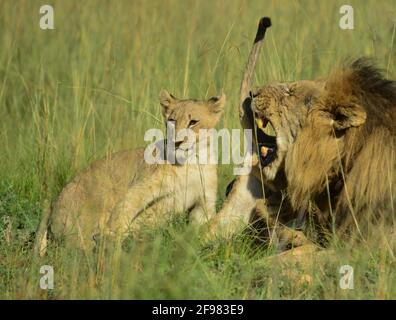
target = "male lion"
x: 122, y: 192
x: 330, y: 161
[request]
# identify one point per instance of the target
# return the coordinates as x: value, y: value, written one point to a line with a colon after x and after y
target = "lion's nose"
x: 253, y: 106
x: 254, y: 92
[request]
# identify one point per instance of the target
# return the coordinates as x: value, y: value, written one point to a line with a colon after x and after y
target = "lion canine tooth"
x: 259, y: 123
x: 264, y: 151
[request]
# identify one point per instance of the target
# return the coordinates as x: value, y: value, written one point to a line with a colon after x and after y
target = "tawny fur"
x: 336, y: 159
x: 346, y: 149
x: 120, y: 193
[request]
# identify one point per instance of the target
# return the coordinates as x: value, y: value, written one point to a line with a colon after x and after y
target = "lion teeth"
x: 259, y: 123
x: 264, y: 151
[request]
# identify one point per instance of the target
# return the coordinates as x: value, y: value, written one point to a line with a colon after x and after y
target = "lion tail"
x: 246, y: 84
x: 41, y: 240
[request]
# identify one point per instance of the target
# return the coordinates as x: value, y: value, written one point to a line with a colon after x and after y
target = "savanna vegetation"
x: 90, y: 87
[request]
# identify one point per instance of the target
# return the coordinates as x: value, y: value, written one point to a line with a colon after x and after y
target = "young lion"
x: 118, y: 194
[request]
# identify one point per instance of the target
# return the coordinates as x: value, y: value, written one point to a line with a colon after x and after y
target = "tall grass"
x: 89, y: 87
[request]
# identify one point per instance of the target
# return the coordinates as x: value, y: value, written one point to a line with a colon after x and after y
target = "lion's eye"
x: 285, y: 89
x: 288, y: 91
x: 192, y: 123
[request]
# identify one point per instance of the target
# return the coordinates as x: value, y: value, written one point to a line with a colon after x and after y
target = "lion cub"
x: 122, y: 192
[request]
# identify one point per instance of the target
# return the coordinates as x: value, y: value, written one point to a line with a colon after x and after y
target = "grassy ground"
x: 70, y: 95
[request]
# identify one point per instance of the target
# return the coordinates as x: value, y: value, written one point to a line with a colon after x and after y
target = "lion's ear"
x: 167, y: 102
x: 347, y: 116
x: 216, y: 104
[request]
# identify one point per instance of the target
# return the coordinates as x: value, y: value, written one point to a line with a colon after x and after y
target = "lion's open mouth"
x: 266, y: 140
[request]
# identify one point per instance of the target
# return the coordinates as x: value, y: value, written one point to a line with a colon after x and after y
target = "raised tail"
x: 40, y: 242
x: 246, y: 84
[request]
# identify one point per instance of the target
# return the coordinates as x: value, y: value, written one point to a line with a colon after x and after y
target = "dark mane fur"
x: 359, y: 170
x: 376, y: 94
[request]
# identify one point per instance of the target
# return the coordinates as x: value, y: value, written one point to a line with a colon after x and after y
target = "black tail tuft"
x: 264, y: 23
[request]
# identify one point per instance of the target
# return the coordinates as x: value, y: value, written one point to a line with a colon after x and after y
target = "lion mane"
x: 343, y: 169
x: 323, y: 155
